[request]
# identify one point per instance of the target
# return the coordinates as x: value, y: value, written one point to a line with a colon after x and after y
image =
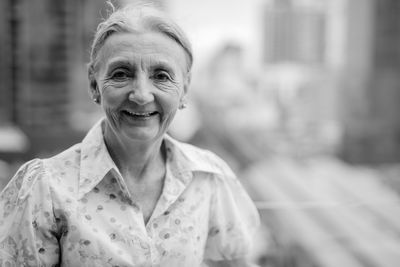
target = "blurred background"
x: 301, y: 97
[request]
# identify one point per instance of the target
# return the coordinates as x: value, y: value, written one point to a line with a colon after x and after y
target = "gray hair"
x: 138, y: 18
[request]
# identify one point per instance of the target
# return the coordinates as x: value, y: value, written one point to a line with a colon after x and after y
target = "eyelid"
x: 162, y: 71
x: 119, y: 69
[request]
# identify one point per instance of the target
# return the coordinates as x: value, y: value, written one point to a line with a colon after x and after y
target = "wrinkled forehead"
x: 150, y: 45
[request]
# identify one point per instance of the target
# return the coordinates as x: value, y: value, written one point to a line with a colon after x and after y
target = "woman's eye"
x: 119, y: 75
x: 162, y: 76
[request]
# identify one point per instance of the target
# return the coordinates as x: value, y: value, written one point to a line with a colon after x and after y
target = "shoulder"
x: 37, y: 176
x: 21, y: 184
x: 63, y: 169
x: 66, y: 159
x: 47, y: 169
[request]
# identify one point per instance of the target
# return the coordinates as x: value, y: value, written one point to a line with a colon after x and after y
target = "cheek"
x: 171, y: 94
x: 171, y: 87
x: 111, y: 114
x: 171, y: 103
x: 112, y: 95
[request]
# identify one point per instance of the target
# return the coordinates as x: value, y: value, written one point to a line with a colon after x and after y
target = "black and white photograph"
x: 212, y: 133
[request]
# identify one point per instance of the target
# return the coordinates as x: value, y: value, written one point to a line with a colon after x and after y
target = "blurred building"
x: 41, y: 40
x: 295, y: 31
x: 370, y: 86
x: 298, y: 73
x: 337, y: 61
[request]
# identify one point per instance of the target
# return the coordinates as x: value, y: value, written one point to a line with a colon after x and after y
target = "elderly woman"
x: 129, y: 194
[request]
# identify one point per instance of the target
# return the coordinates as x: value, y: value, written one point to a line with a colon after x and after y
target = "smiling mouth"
x: 141, y: 115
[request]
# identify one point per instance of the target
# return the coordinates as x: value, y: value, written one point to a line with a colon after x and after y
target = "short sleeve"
x: 233, y: 220
x: 27, y: 223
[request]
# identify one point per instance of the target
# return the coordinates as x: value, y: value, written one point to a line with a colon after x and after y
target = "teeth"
x: 140, y: 114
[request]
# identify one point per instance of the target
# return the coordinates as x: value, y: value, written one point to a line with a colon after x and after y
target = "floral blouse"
x: 74, y: 209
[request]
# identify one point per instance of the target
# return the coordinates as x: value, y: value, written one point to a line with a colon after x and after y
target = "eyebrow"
x: 119, y: 62
x: 157, y: 64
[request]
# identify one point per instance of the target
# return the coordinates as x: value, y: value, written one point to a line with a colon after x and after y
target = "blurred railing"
x: 322, y: 212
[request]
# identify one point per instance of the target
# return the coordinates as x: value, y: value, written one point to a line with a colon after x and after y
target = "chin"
x: 141, y: 134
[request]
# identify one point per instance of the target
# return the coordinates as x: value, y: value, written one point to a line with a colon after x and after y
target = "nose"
x: 140, y: 92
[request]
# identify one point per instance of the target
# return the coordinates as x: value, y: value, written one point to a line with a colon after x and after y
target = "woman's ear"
x: 186, y: 83
x: 93, y: 88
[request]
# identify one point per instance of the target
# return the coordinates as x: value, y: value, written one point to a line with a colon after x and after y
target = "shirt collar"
x: 96, y: 162
x: 182, y: 160
x: 188, y: 159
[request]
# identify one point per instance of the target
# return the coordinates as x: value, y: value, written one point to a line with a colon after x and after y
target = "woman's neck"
x: 135, y: 159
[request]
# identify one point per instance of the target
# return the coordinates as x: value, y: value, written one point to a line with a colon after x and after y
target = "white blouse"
x: 74, y: 209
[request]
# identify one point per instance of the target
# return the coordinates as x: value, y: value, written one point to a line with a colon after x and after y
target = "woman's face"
x: 141, y: 79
